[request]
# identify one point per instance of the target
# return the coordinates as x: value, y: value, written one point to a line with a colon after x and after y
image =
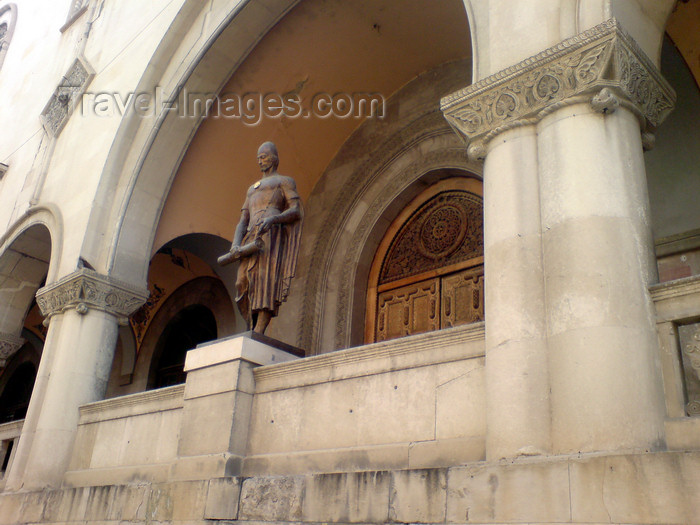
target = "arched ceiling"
x: 321, y: 46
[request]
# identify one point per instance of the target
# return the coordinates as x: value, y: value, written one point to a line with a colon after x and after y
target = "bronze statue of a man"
x: 266, y: 242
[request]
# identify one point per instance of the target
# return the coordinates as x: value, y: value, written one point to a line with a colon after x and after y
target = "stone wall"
x: 408, y: 403
x: 127, y: 438
x: 650, y: 488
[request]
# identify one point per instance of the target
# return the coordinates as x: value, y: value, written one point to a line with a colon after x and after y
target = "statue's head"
x: 267, y: 156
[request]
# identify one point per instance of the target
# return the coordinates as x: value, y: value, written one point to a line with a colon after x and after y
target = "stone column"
x: 599, y: 257
x: 84, y: 310
x: 594, y: 100
x: 517, y: 399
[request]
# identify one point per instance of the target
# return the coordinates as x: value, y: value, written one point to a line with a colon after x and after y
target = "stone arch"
x: 206, y: 291
x: 190, y: 326
x: 208, y: 248
x: 352, y: 252
x: 8, y: 21
x: 48, y: 216
x: 354, y: 202
x: 28, y: 259
x: 146, y: 152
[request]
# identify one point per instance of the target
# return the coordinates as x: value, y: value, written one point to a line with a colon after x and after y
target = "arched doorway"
x: 24, y: 265
x: 191, y: 326
x: 14, y: 399
x: 428, y: 271
x: 198, y: 310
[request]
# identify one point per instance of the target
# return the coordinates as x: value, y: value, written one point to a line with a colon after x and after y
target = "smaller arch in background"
x: 17, y: 379
x: 207, y: 292
x: 48, y: 216
x: 25, y: 262
x: 189, y: 327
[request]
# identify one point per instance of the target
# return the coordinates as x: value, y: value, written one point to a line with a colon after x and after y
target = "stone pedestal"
x: 568, y: 248
x: 217, y: 405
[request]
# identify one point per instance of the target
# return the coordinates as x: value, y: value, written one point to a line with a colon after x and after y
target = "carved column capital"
x: 85, y: 289
x: 9, y: 344
x: 603, y: 66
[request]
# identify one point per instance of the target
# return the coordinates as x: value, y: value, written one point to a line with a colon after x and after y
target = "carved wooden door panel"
x: 428, y: 272
x: 408, y: 310
x: 462, y: 298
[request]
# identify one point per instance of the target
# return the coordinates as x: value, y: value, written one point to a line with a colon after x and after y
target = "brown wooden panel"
x: 463, y: 297
x: 408, y: 310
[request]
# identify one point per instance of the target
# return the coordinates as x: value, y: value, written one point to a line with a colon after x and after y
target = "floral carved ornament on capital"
x: 602, y: 66
x: 9, y: 345
x: 84, y: 290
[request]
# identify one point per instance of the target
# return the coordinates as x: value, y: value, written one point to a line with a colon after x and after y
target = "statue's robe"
x: 264, y: 278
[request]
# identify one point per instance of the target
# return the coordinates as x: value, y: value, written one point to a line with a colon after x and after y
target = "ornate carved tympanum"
x: 86, y: 289
x: 603, y: 66
x: 445, y: 230
x: 428, y: 272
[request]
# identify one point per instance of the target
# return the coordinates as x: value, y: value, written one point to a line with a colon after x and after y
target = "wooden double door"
x: 431, y: 304
x: 428, y: 272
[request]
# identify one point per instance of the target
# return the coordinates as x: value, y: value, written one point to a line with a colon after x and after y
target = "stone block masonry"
x: 634, y: 488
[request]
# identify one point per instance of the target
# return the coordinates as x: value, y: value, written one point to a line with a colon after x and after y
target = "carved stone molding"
x: 8, y: 21
x: 693, y: 408
x: 603, y: 66
x: 85, y: 289
x: 64, y: 99
x: 692, y: 350
x: 77, y: 8
x: 9, y: 344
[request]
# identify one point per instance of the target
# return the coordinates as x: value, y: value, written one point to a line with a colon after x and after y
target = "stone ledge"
x: 11, y: 430
x: 157, y: 473
x: 149, y: 402
x: 463, y: 342
x: 634, y: 488
x: 234, y: 348
x: 676, y: 288
x: 683, y: 433
x: 397, y: 456
x: 677, y: 300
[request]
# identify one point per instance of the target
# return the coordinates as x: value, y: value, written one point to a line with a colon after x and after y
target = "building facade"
x: 495, y: 312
